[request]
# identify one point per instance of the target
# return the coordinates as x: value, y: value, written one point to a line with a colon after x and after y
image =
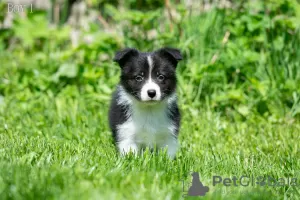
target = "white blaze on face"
x: 150, y: 85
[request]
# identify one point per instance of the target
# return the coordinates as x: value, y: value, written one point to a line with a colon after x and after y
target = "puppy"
x: 144, y: 111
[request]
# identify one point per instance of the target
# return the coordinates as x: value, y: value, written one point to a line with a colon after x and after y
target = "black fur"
x: 117, y: 114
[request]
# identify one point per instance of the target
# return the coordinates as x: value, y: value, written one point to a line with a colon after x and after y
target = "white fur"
x: 147, y: 126
x: 150, y: 85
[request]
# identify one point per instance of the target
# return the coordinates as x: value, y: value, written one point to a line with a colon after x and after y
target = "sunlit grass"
x: 66, y: 151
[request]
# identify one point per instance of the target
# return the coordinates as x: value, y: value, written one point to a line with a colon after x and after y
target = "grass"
x: 238, y: 120
x: 61, y: 148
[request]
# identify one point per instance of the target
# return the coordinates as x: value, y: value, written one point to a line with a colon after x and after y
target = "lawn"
x: 239, y: 98
x: 61, y: 148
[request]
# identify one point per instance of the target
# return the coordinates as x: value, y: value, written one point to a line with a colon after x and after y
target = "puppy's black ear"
x: 123, y: 55
x: 171, y: 53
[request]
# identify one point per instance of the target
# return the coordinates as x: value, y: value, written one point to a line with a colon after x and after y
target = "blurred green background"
x: 241, y: 57
x: 238, y: 86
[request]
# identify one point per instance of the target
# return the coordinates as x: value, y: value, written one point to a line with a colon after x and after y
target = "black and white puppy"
x: 144, y: 111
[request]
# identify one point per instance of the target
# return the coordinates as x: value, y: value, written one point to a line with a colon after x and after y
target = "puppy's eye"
x: 139, y: 78
x: 160, y: 77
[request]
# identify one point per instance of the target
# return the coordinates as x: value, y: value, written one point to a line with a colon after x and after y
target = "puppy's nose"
x: 151, y: 93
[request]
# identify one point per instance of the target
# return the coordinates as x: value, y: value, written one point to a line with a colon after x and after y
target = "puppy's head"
x: 148, y: 76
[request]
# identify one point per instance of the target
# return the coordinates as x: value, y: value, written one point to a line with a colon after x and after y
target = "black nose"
x: 151, y: 93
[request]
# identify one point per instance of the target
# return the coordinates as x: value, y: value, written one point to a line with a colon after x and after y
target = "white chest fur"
x: 152, y: 125
x: 148, y: 126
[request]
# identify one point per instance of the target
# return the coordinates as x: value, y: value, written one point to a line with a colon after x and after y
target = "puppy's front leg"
x: 127, y: 146
x: 172, y: 146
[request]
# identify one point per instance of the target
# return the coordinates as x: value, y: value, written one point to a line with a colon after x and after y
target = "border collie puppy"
x: 144, y: 111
